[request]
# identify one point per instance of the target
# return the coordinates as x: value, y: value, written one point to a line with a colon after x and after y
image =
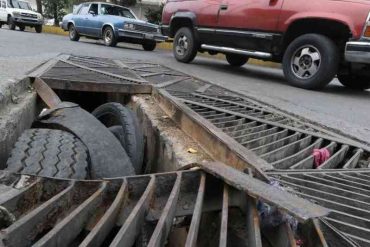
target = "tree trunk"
x: 55, y: 14
x: 39, y: 6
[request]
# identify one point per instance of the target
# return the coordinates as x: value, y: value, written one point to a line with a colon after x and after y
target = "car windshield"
x: 107, y: 9
x: 21, y: 5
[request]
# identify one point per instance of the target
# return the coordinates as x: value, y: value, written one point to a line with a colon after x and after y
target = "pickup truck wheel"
x: 49, y: 153
x: 73, y: 35
x: 311, y: 61
x: 149, y: 45
x: 354, y: 81
x: 38, y: 28
x: 236, y: 60
x: 123, y: 123
x: 22, y: 28
x: 11, y: 23
x: 109, y: 37
x: 185, y: 46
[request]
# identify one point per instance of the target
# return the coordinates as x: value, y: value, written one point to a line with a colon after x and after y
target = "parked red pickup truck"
x: 315, y: 40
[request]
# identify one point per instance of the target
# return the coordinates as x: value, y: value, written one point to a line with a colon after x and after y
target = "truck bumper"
x: 357, y: 52
x: 27, y: 22
x: 143, y: 36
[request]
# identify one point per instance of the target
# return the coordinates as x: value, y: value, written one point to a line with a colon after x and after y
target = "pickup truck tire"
x: 22, y: 28
x: 73, y: 34
x: 11, y: 23
x: 236, y: 60
x: 109, y: 37
x: 123, y: 123
x: 355, y: 82
x: 38, y: 28
x: 49, y: 153
x: 185, y: 45
x: 311, y: 61
x: 149, y: 45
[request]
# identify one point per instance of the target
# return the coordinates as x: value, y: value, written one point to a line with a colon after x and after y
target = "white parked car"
x: 18, y: 13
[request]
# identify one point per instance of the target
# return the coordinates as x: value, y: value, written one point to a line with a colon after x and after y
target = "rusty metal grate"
x: 345, y: 192
x: 282, y: 142
x: 143, y: 210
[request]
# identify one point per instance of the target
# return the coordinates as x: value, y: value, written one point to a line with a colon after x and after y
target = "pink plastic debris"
x: 320, y: 156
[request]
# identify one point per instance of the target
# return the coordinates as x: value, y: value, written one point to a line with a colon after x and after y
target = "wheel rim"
x: 306, y: 62
x: 108, y: 36
x: 182, y: 45
x: 72, y: 32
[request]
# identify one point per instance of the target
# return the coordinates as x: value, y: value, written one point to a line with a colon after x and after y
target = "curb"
x: 168, y: 46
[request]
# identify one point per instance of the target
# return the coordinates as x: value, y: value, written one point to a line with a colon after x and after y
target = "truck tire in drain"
x: 49, y: 153
x: 124, y: 125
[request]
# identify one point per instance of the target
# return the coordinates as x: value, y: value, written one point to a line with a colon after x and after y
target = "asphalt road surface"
x: 335, y: 107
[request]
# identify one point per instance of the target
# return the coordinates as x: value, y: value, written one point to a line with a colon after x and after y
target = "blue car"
x: 112, y: 23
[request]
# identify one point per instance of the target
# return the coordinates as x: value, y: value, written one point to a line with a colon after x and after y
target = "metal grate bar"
x: 265, y: 132
x: 352, y: 162
x: 335, y: 159
x: 224, y: 217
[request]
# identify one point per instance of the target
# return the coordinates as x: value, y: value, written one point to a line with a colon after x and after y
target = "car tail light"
x: 366, y: 32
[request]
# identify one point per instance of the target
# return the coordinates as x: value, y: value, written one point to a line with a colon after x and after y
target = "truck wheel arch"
x: 334, y: 29
x: 182, y: 19
x: 105, y: 26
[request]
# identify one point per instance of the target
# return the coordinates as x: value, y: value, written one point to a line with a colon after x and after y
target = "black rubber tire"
x: 11, y: 23
x: 1, y: 25
x: 354, y: 81
x: 38, y: 29
x: 328, y: 66
x: 22, y: 28
x: 73, y: 34
x: 192, y: 50
x: 236, y: 60
x: 49, y: 153
x: 113, y: 41
x: 149, y: 45
x: 130, y: 137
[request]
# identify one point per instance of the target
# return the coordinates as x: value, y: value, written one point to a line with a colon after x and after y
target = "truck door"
x: 3, y: 14
x: 207, y: 12
x: 249, y: 24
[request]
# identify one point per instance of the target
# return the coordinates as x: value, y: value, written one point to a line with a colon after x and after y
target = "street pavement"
x: 335, y: 107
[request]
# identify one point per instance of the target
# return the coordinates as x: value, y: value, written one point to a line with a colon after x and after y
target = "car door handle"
x: 224, y: 6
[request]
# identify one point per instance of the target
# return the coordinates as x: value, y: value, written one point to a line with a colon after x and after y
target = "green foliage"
x: 55, y: 9
x: 154, y: 15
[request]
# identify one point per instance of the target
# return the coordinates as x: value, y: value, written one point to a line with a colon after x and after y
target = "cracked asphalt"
x: 335, y: 107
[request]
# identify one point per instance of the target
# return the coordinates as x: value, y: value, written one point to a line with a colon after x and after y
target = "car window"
x: 94, y: 8
x: 107, y: 9
x: 84, y: 9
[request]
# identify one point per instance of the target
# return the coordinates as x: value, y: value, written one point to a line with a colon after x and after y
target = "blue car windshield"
x: 107, y: 9
x: 20, y: 5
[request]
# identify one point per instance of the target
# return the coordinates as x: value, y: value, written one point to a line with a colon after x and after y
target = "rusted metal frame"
x: 276, y: 144
x: 342, y: 179
x: 298, y: 207
x: 241, y: 127
x: 129, y: 79
x: 335, y: 159
x: 253, y: 223
x: 93, y: 86
x: 289, y: 161
x: 120, y: 64
x: 150, y: 74
x: 351, y: 178
x: 164, y: 224
x: 171, y: 82
x: 352, y: 163
x: 224, y: 119
x: 256, y: 135
x: 259, y: 141
x: 346, y: 241
x: 238, y: 133
x: 101, y: 230
x: 131, y: 228
x: 341, y: 140
x: 230, y: 123
x: 224, y: 217
x: 46, y: 93
x: 91, y: 62
x: 203, y: 88
x: 191, y: 239
x: 25, y: 230
x: 68, y: 229
x: 218, y: 144
x: 287, y: 150
x: 43, y: 68
x: 212, y: 116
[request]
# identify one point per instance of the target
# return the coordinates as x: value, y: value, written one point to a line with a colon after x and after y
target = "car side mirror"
x: 92, y: 12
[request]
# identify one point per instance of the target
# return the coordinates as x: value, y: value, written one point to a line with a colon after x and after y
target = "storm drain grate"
x: 346, y: 193
x: 143, y: 210
x: 282, y: 142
